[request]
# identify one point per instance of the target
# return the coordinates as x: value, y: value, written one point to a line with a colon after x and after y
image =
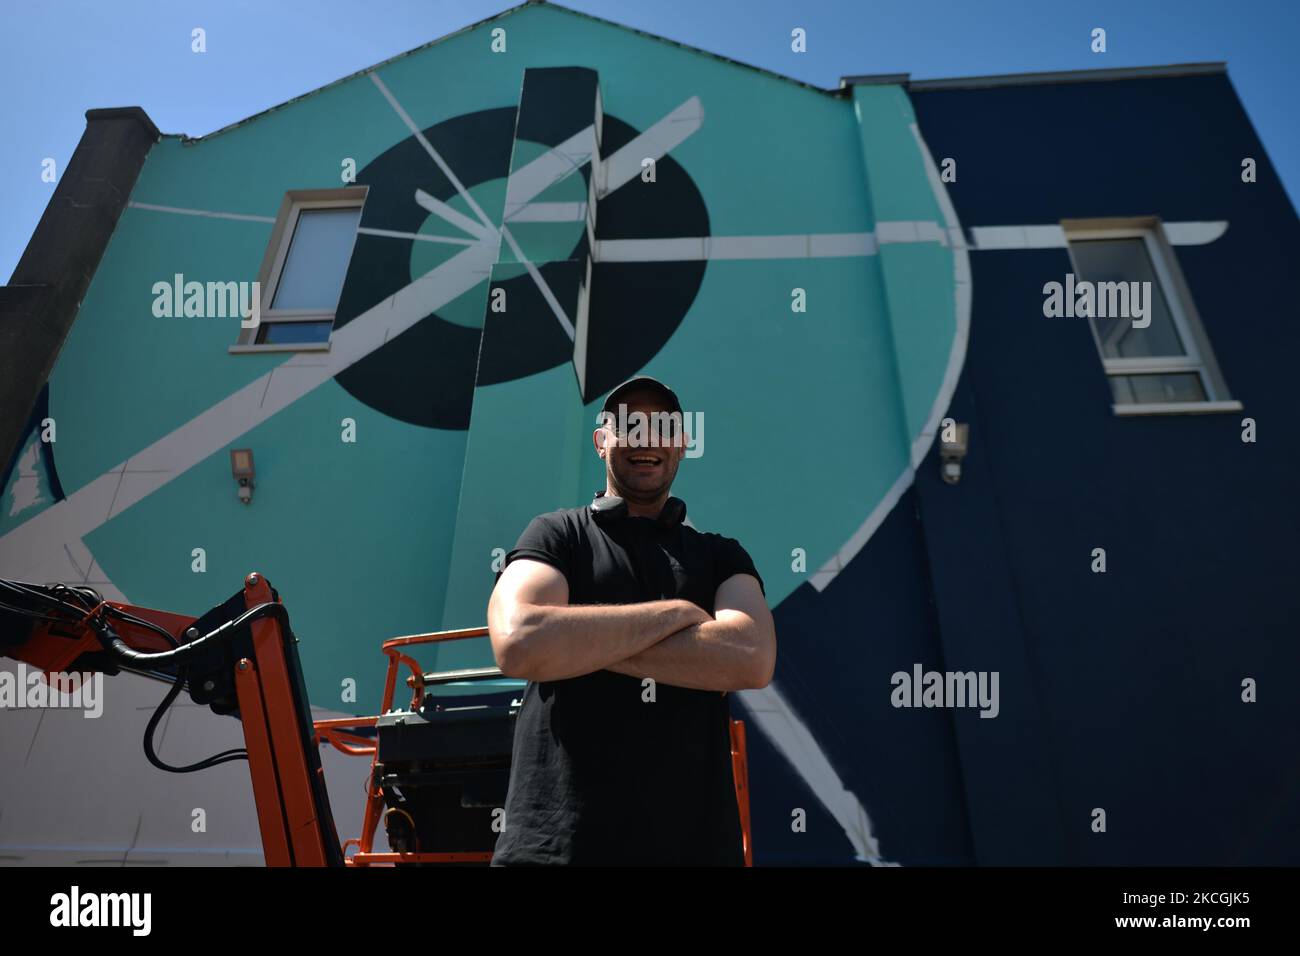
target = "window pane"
x: 1126, y: 260
x: 313, y: 272
x: 1146, y: 389
x: 286, y: 333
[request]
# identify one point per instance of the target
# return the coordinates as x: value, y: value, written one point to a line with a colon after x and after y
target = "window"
x: 1160, y: 363
x: 303, y: 270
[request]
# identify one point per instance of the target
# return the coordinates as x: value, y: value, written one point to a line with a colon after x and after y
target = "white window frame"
x: 1199, y: 357
x: 277, y: 251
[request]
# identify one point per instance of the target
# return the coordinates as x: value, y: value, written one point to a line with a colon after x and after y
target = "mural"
x: 664, y: 227
x: 540, y: 224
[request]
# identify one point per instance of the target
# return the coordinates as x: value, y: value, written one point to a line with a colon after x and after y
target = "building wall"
x: 817, y: 444
x: 1121, y: 690
x: 395, y: 533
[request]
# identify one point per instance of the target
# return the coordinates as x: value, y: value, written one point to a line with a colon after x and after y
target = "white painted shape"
x: 961, y: 269
x: 38, y: 542
x: 793, y: 246
x: 858, y: 540
x: 98, y: 580
x: 202, y: 212
x: 832, y: 245
x: 956, y: 359
x: 758, y: 247
x: 998, y: 237
x: 961, y: 308
x: 413, y: 236
x: 820, y: 579
x: 581, y: 331
x: 553, y: 166
x: 625, y: 164
x: 548, y: 212
x: 82, y: 560
x: 433, y: 153
x: 772, y: 714
x: 1194, y: 233
x: 930, y: 232
x: 649, y: 250
x: 288, y: 384
x: 1044, y: 237
x: 390, y: 318
x: 26, y: 491
x: 450, y: 216
x: 202, y: 435
x: 130, y: 804
x: 887, y: 232
x: 556, y: 309
x: 54, y: 563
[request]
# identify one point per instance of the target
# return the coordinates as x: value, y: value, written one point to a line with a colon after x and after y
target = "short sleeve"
x: 546, y: 539
x: 730, y: 558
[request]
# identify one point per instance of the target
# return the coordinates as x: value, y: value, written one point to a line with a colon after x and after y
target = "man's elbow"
x: 515, y: 645
x: 760, y: 678
x: 510, y: 659
x: 763, y: 666
x: 510, y: 644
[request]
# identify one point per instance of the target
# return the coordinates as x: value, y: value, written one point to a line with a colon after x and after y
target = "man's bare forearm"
x: 715, y: 655
x: 554, y: 642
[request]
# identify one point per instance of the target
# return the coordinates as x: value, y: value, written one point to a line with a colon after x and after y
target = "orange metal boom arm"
x: 257, y: 677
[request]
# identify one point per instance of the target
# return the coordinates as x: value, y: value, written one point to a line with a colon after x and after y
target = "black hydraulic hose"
x: 31, y: 591
x: 179, y: 656
x: 151, y: 754
x: 183, y: 654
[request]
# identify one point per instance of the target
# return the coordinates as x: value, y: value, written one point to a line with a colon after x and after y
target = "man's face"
x: 641, y: 461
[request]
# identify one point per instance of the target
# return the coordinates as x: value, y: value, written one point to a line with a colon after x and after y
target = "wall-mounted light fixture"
x: 241, y: 466
x: 952, y: 449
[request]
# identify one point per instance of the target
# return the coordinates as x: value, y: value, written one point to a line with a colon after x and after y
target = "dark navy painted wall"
x: 838, y: 650
x: 1121, y: 690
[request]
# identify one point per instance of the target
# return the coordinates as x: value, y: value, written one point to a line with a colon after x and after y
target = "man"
x: 631, y: 628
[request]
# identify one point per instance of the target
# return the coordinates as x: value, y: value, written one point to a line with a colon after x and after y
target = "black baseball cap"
x: 642, y: 381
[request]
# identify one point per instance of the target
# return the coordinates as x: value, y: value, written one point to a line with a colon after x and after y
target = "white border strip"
x: 625, y: 164
x: 433, y: 153
x: 962, y: 292
x: 201, y: 212
x: 956, y: 359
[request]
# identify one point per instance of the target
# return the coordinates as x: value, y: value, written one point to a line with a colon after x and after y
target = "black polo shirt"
x: 600, y: 775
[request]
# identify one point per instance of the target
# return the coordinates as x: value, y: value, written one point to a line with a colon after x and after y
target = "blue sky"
x: 59, y: 58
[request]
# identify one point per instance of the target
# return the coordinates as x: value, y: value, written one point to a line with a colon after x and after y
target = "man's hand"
x: 737, y: 651
x: 536, y: 634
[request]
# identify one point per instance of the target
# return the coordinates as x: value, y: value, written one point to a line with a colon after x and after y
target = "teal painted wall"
x: 809, y: 416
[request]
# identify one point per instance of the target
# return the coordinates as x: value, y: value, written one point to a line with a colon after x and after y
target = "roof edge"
x: 876, y: 79
x: 694, y: 49
x: 187, y: 139
x: 1070, y: 76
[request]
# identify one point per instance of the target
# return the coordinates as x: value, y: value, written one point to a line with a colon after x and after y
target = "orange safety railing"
x: 335, y: 732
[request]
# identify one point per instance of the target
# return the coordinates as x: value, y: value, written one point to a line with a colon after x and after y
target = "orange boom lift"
x: 241, y: 659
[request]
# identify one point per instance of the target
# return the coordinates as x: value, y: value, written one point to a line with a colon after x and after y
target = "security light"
x: 952, y: 452
x: 241, y: 466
